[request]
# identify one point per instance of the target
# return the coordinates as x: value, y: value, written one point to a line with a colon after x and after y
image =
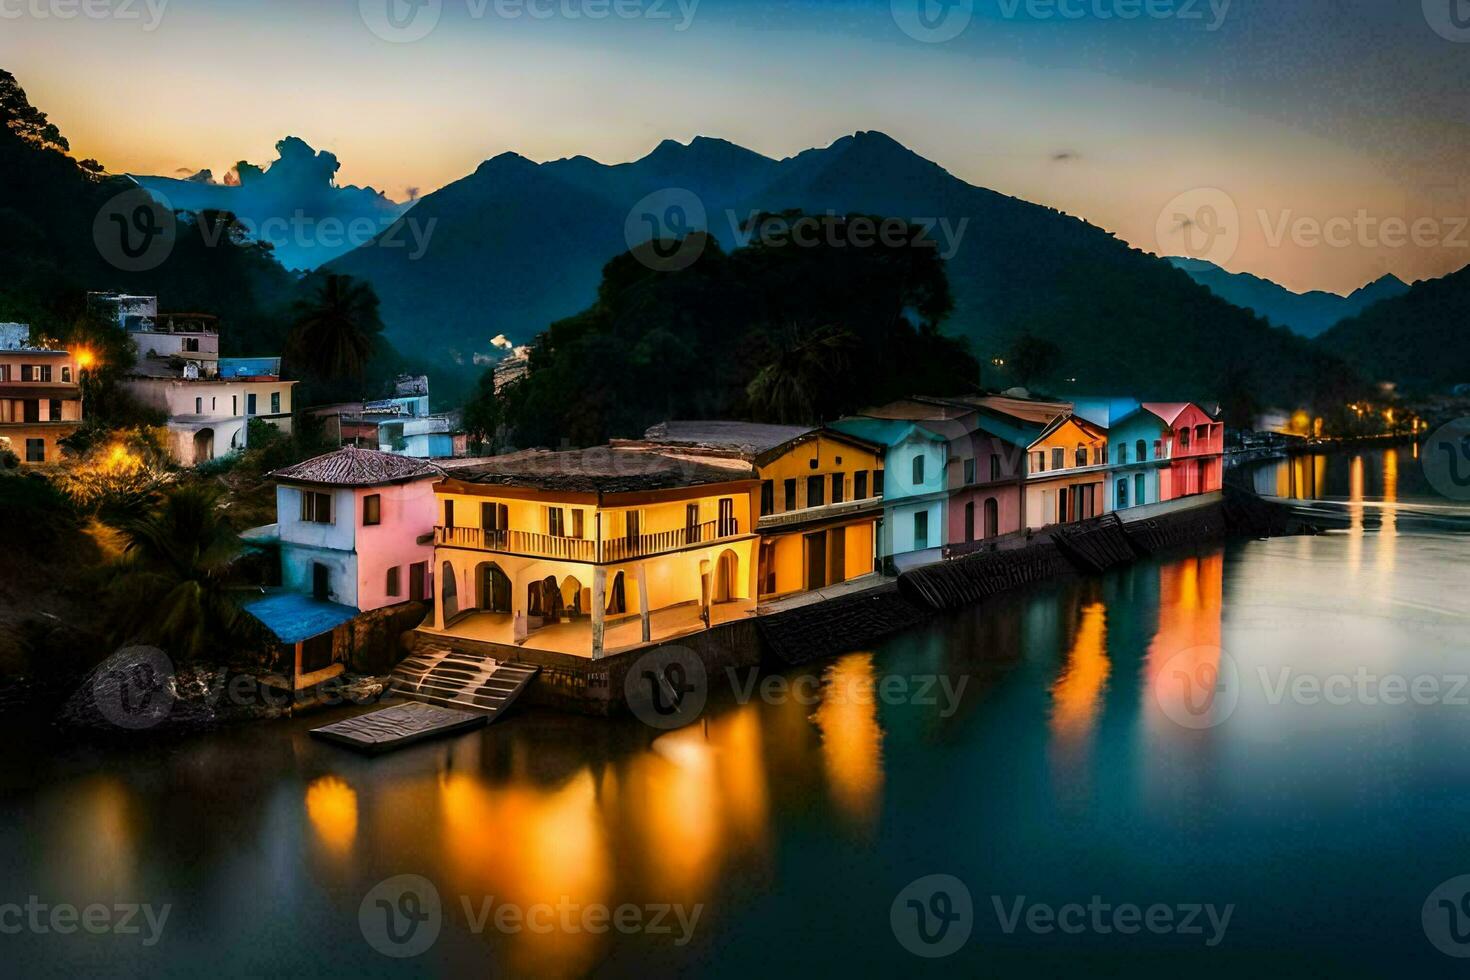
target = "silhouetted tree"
x: 336, y: 330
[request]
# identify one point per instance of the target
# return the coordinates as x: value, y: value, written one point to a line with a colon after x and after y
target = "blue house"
x: 1138, y: 443
x: 915, y: 487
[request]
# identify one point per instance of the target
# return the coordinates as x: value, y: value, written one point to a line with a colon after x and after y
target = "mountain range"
x: 1416, y: 340
x: 518, y: 245
x: 1309, y: 314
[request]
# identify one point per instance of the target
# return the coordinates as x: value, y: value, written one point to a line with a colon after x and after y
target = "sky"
x: 1318, y: 143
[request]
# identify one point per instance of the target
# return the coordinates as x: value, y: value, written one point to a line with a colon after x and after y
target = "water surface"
x: 1062, y: 772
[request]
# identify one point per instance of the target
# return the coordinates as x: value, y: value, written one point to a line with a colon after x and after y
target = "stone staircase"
x: 451, y: 679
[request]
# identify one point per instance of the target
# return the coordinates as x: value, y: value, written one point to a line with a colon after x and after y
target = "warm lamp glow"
x: 85, y: 359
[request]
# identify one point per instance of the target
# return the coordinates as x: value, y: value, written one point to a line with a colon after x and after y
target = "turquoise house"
x: 1138, y: 453
x: 915, y: 488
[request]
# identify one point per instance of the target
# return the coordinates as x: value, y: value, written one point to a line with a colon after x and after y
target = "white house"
x: 356, y: 527
x: 210, y: 415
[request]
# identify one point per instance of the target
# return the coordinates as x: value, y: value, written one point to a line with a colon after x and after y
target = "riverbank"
x: 820, y: 630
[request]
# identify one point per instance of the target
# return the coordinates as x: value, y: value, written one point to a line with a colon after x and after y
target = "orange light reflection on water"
x: 331, y: 806
x: 852, y: 739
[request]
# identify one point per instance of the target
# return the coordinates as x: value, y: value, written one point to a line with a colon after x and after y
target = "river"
x: 1047, y: 751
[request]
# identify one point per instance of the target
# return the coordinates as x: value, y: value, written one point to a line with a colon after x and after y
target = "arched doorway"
x: 726, y: 571
x: 203, y: 445
x: 492, y: 588
x: 451, y: 592
x: 571, y: 597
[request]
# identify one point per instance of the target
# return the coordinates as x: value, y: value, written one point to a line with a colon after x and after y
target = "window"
x: 35, y: 450
x: 4, y: 372
x: 768, y: 497
x: 556, y: 522
x: 1184, y: 440
x: 1038, y: 462
x: 1058, y: 458
x: 28, y: 372
x: 634, y: 525
x: 728, y: 524
x: 494, y: 517
x: 788, y: 492
x: 691, y: 522
x: 1122, y: 454
x: 32, y: 411
x: 815, y: 491
x: 66, y: 374
x: 250, y: 407
x: 921, y: 530
x: 234, y: 404
x: 213, y: 404
x: 812, y: 463
x: 970, y: 475
x: 860, y: 485
x: 1081, y: 455
x: 45, y: 371
x: 918, y: 470
x: 56, y: 409
x: 316, y: 508
x: 372, y: 513
x: 970, y: 521
x: 417, y: 573
x: 1158, y: 449
x: 577, y: 526
x: 449, y: 513
x: 191, y: 345
x: 1122, y: 493
x: 995, y: 471
x: 199, y: 406
x: 275, y: 403
x: 839, y: 486
x: 1142, y: 450
x: 877, y: 483
x: 394, y: 588
x: 992, y: 518
x: 1100, y: 455
x: 1139, y: 494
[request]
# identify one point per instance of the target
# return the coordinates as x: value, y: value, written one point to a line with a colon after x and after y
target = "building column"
x: 599, y: 609
x: 643, y: 613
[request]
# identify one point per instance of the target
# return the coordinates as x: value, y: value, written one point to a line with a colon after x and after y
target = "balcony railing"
x: 616, y: 549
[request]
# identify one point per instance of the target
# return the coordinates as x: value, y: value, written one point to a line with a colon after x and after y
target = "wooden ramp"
x: 461, y: 681
x: 398, y: 725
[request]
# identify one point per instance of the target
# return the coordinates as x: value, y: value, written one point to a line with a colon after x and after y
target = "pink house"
x: 356, y: 527
x: 1196, y: 450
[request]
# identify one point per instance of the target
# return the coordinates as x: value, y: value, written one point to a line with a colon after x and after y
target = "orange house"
x: 1066, y: 469
x: 1197, y: 450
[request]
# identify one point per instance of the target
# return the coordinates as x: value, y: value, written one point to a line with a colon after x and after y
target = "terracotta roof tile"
x: 354, y: 467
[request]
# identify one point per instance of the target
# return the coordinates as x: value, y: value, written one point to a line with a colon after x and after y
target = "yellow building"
x: 1066, y: 470
x: 821, y: 497
x: 593, y: 551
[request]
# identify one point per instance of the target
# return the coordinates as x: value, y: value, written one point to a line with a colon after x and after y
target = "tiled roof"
x: 602, y: 469
x: 354, y: 467
x: 746, y: 437
x: 294, y: 618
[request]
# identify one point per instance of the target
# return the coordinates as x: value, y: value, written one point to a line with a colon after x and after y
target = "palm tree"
x: 798, y: 385
x: 336, y: 331
x: 169, y: 589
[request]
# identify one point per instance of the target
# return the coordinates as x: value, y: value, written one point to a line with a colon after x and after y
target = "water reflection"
x: 331, y: 806
x: 1077, y: 695
x: 1187, y: 639
x: 852, y: 739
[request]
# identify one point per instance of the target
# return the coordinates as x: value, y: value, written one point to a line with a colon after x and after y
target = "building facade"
x: 1139, y: 446
x: 1197, y: 450
x: 915, y: 487
x: 821, y: 497
x: 592, y: 551
x: 354, y: 527
x: 210, y: 416
x: 1066, y: 473
x: 40, y: 402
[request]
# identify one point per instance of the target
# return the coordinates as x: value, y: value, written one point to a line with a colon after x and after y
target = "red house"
x: 1196, y: 453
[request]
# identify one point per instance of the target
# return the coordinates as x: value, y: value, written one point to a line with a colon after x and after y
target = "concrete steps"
x: 450, y: 679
